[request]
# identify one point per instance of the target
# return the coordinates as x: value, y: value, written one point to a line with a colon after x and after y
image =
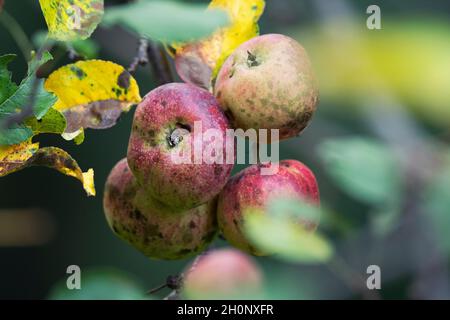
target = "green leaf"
x: 20, y: 99
x: 365, y: 169
x: 100, y: 284
x: 86, y: 48
x: 7, y: 87
x: 294, y: 209
x: 166, y: 21
x: 286, y: 239
x: 14, y: 135
x: 53, y: 122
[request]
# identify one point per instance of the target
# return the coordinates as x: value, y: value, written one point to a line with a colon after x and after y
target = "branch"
x: 160, y: 63
x: 141, y: 58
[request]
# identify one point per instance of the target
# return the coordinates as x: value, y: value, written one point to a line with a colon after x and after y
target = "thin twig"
x: 141, y: 58
x: 159, y: 62
x: 72, y: 53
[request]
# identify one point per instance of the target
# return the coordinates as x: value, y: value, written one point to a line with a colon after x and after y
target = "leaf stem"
x: 17, y: 33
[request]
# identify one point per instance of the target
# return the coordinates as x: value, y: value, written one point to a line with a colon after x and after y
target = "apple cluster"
x: 173, y: 210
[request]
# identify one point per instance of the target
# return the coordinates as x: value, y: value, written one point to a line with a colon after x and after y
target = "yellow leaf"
x: 15, y: 157
x: 69, y: 20
x: 61, y: 161
x: 92, y: 93
x: 20, y: 156
x: 208, y: 55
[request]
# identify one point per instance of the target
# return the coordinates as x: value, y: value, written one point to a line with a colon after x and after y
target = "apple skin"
x: 169, y: 107
x: 268, y: 83
x: 250, y: 190
x: 151, y: 227
x: 223, y: 274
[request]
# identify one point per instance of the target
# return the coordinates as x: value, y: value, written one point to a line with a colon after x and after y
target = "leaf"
x: 20, y: 156
x: 92, y: 93
x: 289, y: 208
x: 52, y: 122
x: 87, y: 48
x: 7, y: 87
x: 287, y: 239
x: 166, y: 21
x: 20, y: 99
x: 365, y: 169
x: 69, y: 20
x: 100, y: 284
x: 14, y: 158
x: 199, y: 62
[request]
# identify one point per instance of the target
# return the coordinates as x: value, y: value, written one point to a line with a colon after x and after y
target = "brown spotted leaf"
x: 17, y: 157
x: 92, y: 93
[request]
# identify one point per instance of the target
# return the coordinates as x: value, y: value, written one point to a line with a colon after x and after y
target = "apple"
x: 249, y: 190
x: 149, y: 225
x: 168, y: 124
x: 222, y: 274
x: 268, y: 83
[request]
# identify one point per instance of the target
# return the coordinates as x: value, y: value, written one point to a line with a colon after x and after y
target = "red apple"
x: 250, y: 189
x: 167, y: 124
x: 223, y: 274
x: 150, y: 226
x: 268, y: 83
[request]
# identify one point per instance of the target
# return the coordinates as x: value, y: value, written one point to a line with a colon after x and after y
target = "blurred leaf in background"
x: 100, y: 284
x: 166, y: 21
x: 87, y: 48
x: 287, y: 238
x: 408, y: 59
x: 364, y: 168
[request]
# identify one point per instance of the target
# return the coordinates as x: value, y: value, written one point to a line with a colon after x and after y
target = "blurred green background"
x: 379, y: 146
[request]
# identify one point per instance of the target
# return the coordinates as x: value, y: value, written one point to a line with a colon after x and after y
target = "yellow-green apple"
x: 268, y: 83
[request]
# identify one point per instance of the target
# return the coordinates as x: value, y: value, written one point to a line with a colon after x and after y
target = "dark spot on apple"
x: 138, y: 215
x: 152, y: 230
x: 192, y: 225
x: 164, y: 103
x: 124, y: 80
